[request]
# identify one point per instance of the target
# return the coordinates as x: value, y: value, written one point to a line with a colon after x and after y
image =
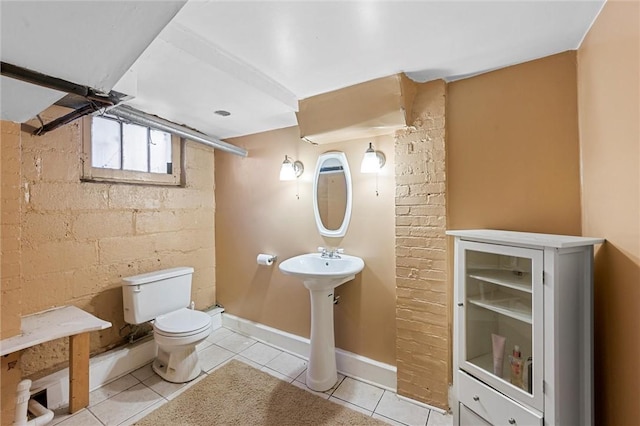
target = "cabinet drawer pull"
x: 460, y: 304
x: 476, y: 398
x: 512, y: 421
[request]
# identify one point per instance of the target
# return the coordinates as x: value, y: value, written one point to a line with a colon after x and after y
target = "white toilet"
x: 165, y: 296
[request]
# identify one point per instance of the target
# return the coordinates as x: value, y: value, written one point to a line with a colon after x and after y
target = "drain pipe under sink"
x: 25, y: 404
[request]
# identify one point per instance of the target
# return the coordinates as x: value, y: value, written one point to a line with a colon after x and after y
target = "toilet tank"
x: 146, y: 296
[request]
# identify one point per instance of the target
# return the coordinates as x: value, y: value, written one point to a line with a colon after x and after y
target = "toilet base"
x: 178, y: 366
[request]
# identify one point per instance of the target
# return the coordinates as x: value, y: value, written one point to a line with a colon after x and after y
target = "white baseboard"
x: 348, y: 363
x: 111, y: 365
x: 106, y: 367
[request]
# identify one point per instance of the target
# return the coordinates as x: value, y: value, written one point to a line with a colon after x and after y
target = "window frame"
x: 99, y: 174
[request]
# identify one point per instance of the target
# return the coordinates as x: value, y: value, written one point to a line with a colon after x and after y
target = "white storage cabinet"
x: 533, y: 291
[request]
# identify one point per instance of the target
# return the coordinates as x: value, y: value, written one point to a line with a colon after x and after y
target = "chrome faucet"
x: 333, y: 253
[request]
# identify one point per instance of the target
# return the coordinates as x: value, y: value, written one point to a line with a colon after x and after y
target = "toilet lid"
x: 182, y: 321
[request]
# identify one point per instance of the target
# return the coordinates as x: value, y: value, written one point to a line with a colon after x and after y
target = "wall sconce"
x: 291, y: 170
x: 373, y: 160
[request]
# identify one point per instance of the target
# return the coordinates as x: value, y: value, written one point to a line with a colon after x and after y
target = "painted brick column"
x: 423, y: 345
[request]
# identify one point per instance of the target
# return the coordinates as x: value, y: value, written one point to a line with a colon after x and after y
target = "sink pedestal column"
x: 321, y: 371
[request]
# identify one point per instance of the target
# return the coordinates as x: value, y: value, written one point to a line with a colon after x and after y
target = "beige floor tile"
x: 219, y: 334
x: 402, y: 410
x: 142, y: 414
x: 277, y: 374
x: 143, y: 373
x: 163, y: 387
x: 438, y: 419
x: 359, y: 393
x: 302, y: 385
x: 260, y: 353
x: 248, y: 362
x: 111, y: 389
x: 288, y: 365
x: 213, y: 356
x: 351, y: 406
x: 126, y: 404
x: 236, y: 342
x: 388, y: 420
x: 81, y: 418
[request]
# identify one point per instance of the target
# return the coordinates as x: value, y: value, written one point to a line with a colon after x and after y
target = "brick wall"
x: 10, y: 268
x: 423, y: 344
x: 79, y: 238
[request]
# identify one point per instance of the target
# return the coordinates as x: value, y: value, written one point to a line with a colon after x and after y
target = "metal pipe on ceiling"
x: 43, y: 80
x: 127, y: 113
x: 98, y: 100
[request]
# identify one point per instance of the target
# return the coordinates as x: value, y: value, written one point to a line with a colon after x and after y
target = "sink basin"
x: 321, y: 275
x: 318, y: 273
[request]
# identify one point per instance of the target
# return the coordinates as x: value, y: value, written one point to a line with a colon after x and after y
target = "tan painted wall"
x: 512, y: 149
x: 361, y: 111
x: 257, y: 213
x: 79, y: 239
x: 609, y: 105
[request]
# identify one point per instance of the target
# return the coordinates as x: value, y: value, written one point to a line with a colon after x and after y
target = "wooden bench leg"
x: 78, y: 372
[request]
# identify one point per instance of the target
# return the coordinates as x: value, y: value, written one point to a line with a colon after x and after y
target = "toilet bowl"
x: 163, y: 297
x: 177, y: 334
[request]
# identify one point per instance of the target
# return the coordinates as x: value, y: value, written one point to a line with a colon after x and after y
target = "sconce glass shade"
x: 290, y: 170
x: 373, y: 160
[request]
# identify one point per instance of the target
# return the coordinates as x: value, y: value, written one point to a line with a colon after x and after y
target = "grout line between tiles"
x: 392, y: 419
x: 94, y: 415
x: 117, y: 393
x: 337, y: 385
x: 378, y: 403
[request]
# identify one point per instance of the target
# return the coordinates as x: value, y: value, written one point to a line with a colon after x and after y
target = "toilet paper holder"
x: 266, y: 259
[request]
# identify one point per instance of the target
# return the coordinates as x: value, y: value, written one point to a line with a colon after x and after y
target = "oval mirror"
x: 332, y: 194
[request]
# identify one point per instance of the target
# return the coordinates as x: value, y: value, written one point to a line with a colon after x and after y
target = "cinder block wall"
x: 11, y: 265
x: 423, y: 294
x: 80, y: 238
x: 10, y: 230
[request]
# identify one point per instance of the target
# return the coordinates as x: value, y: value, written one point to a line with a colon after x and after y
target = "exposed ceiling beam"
x: 34, y: 77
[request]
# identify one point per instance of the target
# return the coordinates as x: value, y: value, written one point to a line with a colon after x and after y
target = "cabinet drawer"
x: 493, y: 406
x: 469, y: 418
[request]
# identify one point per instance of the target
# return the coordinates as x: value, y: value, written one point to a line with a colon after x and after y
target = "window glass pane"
x: 160, y: 152
x: 105, y: 148
x: 134, y: 147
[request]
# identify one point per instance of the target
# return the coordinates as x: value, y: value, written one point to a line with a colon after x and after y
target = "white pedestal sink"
x: 321, y: 275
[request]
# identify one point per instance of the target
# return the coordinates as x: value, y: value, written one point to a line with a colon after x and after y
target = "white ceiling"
x: 84, y: 42
x: 257, y: 59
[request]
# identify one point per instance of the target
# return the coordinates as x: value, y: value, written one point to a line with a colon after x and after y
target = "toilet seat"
x: 184, y: 322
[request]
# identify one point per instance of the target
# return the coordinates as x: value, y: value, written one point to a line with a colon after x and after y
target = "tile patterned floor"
x: 133, y: 396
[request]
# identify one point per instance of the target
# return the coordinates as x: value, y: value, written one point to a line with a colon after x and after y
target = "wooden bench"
x: 53, y: 324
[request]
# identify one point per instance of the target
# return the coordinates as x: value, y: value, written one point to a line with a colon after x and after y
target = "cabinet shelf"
x: 504, y: 278
x: 510, y: 306
x: 485, y: 362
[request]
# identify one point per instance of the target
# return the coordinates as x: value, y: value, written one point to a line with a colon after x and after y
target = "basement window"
x: 116, y: 151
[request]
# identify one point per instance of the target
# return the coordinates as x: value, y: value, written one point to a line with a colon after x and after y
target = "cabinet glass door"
x: 500, y: 309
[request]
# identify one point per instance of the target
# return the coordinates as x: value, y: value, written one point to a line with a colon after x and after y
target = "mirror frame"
x: 342, y: 158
